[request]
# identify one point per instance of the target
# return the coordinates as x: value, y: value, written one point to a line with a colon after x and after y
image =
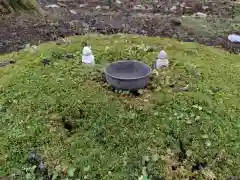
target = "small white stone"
x: 98, y: 7
x: 73, y: 12
x: 155, y: 157
x: 34, y: 47
x: 173, y: 9
x: 205, y: 8
x: 139, y: 7
x: 199, y: 14
x: 52, y: 6
x: 82, y: 5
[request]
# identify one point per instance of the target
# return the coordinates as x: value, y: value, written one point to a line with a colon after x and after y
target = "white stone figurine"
x: 162, y: 60
x: 87, y: 56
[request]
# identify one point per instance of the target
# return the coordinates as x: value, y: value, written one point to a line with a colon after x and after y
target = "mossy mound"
x: 111, y: 132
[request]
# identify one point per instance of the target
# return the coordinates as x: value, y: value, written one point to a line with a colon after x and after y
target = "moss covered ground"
x: 164, y: 132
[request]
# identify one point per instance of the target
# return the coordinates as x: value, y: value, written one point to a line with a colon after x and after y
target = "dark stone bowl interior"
x: 128, y: 74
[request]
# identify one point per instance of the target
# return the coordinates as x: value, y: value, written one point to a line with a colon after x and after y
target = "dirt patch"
x: 102, y: 17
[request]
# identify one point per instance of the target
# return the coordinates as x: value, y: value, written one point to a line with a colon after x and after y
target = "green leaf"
x: 204, y: 136
x: 189, y: 153
x: 33, y: 167
x: 155, y: 157
x: 145, y: 159
x: 145, y: 178
x: 144, y: 172
x: 208, y: 143
x: 71, y: 171
x: 188, y: 122
x: 55, y: 175
x: 58, y: 168
x: 28, y: 176
x: 86, y: 169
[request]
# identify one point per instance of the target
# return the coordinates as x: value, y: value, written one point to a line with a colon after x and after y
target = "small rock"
x: 34, y: 47
x: 191, y: 39
x: 118, y: 2
x: 205, y: 8
x: 27, y: 46
x: 173, y: 9
x: 62, y: 5
x: 98, y: 7
x: 82, y: 5
x: 176, y: 21
x: 200, y: 15
x: 139, y: 7
x: 73, y: 12
x: 105, y: 7
x: 34, y: 157
x: 52, y: 6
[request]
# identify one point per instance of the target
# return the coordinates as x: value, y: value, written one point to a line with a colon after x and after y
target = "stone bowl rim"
x: 122, y: 61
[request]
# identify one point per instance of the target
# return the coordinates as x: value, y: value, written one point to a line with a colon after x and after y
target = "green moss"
x: 114, y: 132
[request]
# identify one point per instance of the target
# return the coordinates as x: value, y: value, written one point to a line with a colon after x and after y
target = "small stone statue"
x: 162, y: 60
x: 87, y: 55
